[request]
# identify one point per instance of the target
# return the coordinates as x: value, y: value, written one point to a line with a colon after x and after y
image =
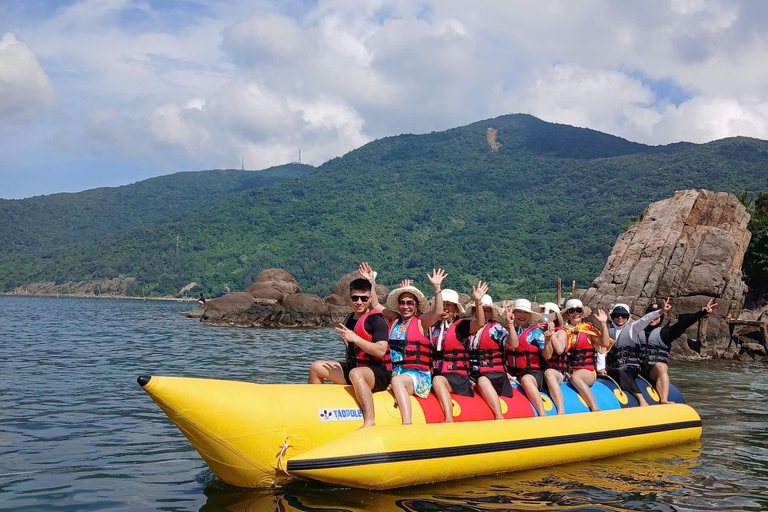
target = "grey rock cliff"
x: 689, y: 247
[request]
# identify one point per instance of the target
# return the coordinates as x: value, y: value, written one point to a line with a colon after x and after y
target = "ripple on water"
x: 78, y: 434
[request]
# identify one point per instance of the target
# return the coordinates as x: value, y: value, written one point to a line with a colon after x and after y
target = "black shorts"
x: 625, y: 377
x: 381, y: 376
x: 499, y: 380
x: 539, y: 376
x: 459, y: 384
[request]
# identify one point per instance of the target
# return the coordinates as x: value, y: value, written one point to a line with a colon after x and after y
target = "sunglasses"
x: 620, y: 315
x: 575, y: 310
x: 360, y: 298
x: 407, y: 302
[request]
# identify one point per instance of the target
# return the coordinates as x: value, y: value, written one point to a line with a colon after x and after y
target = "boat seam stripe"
x: 477, y: 449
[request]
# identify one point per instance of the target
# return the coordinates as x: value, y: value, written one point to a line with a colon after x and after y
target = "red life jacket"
x: 416, y: 348
x: 526, y: 357
x: 581, y: 355
x: 361, y: 357
x: 559, y: 362
x: 489, y: 355
x: 454, y: 356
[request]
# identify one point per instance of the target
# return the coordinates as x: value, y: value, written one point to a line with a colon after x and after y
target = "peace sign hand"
x: 711, y: 305
x: 667, y: 306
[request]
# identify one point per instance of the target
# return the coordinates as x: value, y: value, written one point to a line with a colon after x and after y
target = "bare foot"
x: 365, y: 426
x: 448, y: 421
x: 666, y: 402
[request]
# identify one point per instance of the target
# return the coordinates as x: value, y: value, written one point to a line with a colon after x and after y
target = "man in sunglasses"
x: 367, y: 367
x: 624, y: 358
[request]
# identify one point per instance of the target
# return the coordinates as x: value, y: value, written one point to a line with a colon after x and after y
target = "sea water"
x: 77, y: 433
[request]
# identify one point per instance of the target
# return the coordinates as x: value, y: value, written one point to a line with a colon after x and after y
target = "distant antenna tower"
x: 243, y: 166
x: 299, y: 155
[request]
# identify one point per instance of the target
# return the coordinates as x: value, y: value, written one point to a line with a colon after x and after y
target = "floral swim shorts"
x: 422, y: 381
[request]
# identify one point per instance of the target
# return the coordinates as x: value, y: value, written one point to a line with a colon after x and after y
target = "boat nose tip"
x: 143, y: 380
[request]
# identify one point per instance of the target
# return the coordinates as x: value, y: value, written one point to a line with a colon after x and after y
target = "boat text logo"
x: 340, y: 414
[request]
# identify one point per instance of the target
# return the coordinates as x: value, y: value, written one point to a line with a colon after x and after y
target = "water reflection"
x: 638, y: 481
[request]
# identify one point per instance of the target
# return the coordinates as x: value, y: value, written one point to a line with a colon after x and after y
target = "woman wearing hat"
x: 583, y: 338
x: 656, y: 342
x: 524, y: 350
x: 487, y: 357
x: 410, y: 350
x: 449, y: 339
x: 554, y: 352
x: 623, y: 361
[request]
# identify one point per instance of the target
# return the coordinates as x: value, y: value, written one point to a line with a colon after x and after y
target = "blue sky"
x: 107, y: 92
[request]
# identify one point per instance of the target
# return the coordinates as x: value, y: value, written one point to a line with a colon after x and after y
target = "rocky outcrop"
x: 275, y: 300
x: 338, y: 300
x: 273, y: 283
x: 690, y: 248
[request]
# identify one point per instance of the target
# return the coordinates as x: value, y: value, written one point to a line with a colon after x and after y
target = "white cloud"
x: 207, y: 83
x: 24, y: 86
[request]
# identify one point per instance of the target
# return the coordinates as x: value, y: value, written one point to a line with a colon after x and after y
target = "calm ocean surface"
x: 77, y: 433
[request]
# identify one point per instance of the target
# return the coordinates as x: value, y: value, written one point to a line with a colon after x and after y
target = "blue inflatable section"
x: 604, y: 396
x: 649, y: 392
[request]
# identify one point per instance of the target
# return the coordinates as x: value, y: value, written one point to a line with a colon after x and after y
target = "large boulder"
x: 273, y: 283
x: 230, y: 304
x: 305, y: 303
x: 340, y: 294
x: 690, y: 248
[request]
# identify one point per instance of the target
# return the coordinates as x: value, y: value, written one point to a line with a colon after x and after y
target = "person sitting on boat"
x: 487, y: 357
x: 557, y: 360
x: 623, y: 360
x: 583, y: 338
x: 525, y: 344
x: 367, y: 366
x: 409, y: 347
x: 449, y: 340
x: 656, y: 342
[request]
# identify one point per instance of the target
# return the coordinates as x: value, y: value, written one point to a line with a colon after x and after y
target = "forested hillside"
x: 48, y: 223
x: 547, y: 202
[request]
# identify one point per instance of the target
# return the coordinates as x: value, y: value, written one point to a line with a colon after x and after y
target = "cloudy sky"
x: 108, y: 92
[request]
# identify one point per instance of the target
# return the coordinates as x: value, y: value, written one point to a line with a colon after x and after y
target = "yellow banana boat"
x: 262, y: 435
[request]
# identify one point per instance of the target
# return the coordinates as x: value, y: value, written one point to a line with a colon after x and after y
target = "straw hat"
x: 394, y: 296
x: 452, y: 296
x: 576, y: 303
x: 486, y: 301
x: 525, y: 305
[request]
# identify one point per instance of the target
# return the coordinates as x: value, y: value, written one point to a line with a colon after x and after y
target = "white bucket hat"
x: 549, y: 311
x: 486, y: 301
x: 576, y: 303
x: 394, y: 296
x: 525, y: 305
x: 452, y: 296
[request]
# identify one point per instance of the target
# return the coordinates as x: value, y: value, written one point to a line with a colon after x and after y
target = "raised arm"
x: 433, y: 315
x: 477, y: 294
x: 509, y: 318
x: 602, y: 317
x: 677, y: 330
x: 549, y: 347
x: 645, y: 320
x: 367, y: 272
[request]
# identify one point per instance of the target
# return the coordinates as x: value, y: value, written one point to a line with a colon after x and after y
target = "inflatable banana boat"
x: 263, y: 435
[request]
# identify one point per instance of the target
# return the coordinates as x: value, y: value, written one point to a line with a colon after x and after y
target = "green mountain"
x: 49, y: 223
x: 518, y: 205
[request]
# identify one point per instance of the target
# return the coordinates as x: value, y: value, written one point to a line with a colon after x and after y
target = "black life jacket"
x: 654, y: 350
x: 625, y: 352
